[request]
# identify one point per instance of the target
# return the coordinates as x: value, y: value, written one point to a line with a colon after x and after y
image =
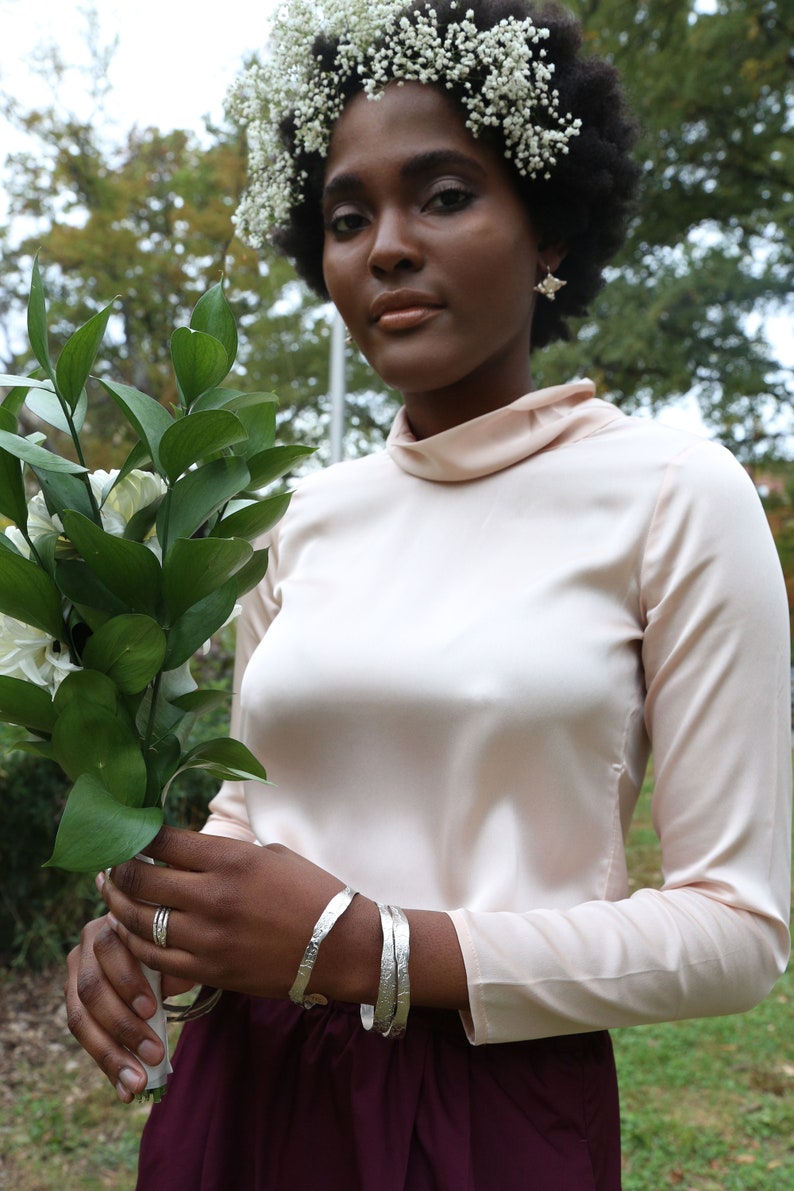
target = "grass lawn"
x: 707, y: 1105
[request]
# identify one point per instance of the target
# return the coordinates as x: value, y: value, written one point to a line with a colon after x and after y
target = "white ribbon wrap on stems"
x: 157, y: 1076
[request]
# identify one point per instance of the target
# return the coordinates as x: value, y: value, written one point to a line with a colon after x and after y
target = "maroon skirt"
x: 268, y: 1097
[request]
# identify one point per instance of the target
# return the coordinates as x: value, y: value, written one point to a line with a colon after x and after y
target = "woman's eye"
x: 345, y: 223
x: 451, y: 198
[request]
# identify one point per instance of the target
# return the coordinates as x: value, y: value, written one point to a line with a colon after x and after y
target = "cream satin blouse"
x: 455, y: 668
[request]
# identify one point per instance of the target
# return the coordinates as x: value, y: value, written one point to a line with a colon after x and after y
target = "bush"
x: 42, y: 910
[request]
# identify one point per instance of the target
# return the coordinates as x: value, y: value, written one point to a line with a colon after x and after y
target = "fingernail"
x: 150, y: 1053
x: 113, y: 922
x: 100, y: 881
x: 129, y: 1080
x: 144, y: 1006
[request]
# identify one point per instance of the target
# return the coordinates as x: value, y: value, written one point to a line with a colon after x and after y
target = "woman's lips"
x: 405, y: 317
x: 403, y: 309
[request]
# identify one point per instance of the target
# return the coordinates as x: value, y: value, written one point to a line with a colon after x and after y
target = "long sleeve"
x: 716, y: 662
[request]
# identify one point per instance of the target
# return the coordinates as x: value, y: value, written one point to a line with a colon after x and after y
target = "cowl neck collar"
x: 502, y: 437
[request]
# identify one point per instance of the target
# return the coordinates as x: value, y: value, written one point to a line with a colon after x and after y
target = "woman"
x: 454, y: 670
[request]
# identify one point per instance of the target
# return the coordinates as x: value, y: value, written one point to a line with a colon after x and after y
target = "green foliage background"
x: 148, y: 215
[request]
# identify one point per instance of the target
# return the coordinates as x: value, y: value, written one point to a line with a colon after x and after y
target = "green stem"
x: 147, y: 740
x: 75, y: 437
x: 152, y: 712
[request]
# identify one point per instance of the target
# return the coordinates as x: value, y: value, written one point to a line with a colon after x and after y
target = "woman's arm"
x: 716, y: 663
x: 241, y: 918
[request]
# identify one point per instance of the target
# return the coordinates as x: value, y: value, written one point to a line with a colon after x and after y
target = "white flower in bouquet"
x: 118, y: 504
x: 30, y: 654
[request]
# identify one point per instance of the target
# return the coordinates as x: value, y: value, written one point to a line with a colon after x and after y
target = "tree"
x: 710, y: 254
x: 712, y: 249
x: 149, y: 218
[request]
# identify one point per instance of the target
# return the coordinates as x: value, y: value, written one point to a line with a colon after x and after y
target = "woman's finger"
x: 110, y: 1024
x: 184, y: 849
x: 133, y: 923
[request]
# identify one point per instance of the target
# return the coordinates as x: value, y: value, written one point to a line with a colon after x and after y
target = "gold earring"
x: 550, y: 285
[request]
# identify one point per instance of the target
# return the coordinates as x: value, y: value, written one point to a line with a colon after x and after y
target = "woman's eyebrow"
x: 340, y: 183
x: 433, y: 159
x: 415, y: 166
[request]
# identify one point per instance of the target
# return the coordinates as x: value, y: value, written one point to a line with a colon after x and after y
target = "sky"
x: 172, y: 64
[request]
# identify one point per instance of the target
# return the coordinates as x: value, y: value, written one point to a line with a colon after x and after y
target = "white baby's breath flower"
x: 29, y: 654
x: 501, y: 72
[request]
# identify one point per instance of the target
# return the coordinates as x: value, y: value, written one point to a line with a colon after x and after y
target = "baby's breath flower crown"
x: 501, y: 73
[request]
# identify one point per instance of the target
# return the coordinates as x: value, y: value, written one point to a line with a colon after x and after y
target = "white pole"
x: 337, y: 386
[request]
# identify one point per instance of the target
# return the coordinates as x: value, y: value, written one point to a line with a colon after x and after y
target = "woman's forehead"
x: 409, y: 125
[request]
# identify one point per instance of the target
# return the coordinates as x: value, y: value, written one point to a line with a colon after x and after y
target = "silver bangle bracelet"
x: 381, y: 1016
x: 402, y: 954
x: 330, y: 915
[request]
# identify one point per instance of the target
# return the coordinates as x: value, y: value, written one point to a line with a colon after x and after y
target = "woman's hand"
x: 108, y: 1002
x: 241, y: 917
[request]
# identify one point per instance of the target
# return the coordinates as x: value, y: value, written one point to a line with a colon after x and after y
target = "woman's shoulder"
x: 669, y: 455
x: 348, y: 472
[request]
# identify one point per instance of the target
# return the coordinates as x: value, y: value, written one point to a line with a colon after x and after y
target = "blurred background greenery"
x: 697, y: 311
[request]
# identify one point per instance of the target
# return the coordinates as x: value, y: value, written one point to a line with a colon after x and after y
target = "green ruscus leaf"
x: 146, y: 416
x: 128, y: 569
x: 252, y: 574
x: 29, y: 595
x: 196, y: 437
x: 197, y: 495
x: 36, y: 456
x: 96, y: 831
x: 253, y: 520
x: 89, y: 738
x: 37, y: 321
x: 273, y: 463
x: 198, y: 623
x: 63, y: 491
x: 88, y: 686
x: 200, y: 362
x: 196, y: 567
x: 129, y: 649
x: 77, y: 356
x: 25, y: 704
x: 213, y: 316
x: 47, y: 407
x: 226, y: 759
x: 257, y: 412
x: 12, y: 488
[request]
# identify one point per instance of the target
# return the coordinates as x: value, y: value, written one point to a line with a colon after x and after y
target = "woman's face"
x: 430, y: 255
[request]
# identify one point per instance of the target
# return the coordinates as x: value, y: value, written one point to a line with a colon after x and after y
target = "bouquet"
x: 111, y: 581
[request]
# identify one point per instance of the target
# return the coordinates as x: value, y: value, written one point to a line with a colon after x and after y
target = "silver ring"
x: 160, y: 926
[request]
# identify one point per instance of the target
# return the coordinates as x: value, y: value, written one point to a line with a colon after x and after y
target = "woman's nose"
x: 395, y: 246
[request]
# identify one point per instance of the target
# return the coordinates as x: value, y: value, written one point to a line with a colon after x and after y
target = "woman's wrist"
x: 349, y: 962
